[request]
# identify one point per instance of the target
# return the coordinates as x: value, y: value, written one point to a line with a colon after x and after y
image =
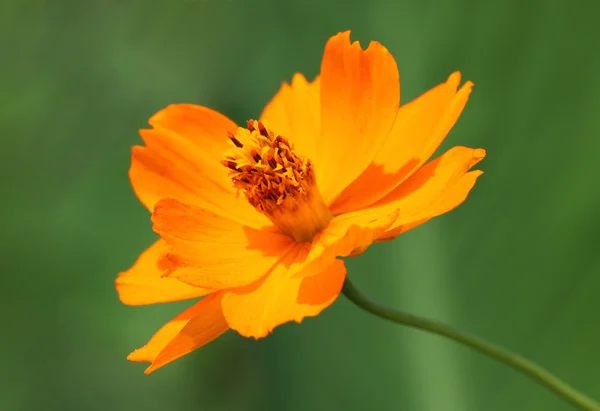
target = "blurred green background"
x: 518, y: 263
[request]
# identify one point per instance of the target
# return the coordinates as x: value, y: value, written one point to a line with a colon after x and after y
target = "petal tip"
x: 256, y: 334
x: 119, y: 284
x: 454, y: 80
x: 468, y: 84
x: 150, y: 369
x: 167, y: 111
x: 479, y: 153
x: 160, y: 114
x: 136, y: 150
x: 259, y: 336
x: 377, y: 47
x: 137, y: 355
x: 342, y: 37
x: 455, y: 76
x: 297, y: 78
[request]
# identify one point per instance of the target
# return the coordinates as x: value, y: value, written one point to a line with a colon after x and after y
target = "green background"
x: 518, y: 263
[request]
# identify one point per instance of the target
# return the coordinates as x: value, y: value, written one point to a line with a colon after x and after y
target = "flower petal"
x: 418, y: 131
x: 360, y: 94
x: 254, y: 310
x: 181, y: 160
x: 144, y: 283
x: 211, y: 251
x: 197, y: 326
x: 438, y: 187
x: 295, y: 113
x: 451, y: 199
x: 346, y: 235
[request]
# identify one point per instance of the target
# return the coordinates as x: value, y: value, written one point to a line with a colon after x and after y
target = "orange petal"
x: 360, y: 93
x: 190, y: 330
x: 418, y: 131
x: 181, y: 160
x: 254, y: 310
x: 451, y: 199
x: 144, y: 282
x: 346, y: 235
x: 436, y: 188
x: 295, y: 113
x: 211, y: 251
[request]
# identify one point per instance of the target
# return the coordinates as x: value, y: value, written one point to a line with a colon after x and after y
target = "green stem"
x: 517, y: 362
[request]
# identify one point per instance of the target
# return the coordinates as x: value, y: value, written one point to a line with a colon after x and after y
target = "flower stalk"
x: 539, y: 374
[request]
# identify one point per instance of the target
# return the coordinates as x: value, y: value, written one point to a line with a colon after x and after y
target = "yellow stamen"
x: 277, y: 181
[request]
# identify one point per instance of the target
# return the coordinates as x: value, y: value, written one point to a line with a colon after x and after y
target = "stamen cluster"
x: 266, y: 167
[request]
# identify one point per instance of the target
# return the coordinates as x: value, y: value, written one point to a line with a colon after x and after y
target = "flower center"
x: 277, y: 181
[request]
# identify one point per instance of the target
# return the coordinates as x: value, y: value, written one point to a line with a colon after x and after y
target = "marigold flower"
x: 254, y: 218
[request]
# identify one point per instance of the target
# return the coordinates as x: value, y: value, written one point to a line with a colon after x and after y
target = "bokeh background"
x: 518, y: 263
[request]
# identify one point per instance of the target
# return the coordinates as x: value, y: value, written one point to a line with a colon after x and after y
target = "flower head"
x: 253, y: 219
x: 277, y: 181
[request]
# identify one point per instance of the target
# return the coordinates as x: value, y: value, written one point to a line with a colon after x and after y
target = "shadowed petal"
x: 190, y: 330
x: 360, y: 94
x: 181, y: 160
x: 295, y: 113
x: 144, y: 283
x: 254, y: 310
x: 211, y: 251
x: 419, y: 129
x: 345, y: 236
x: 436, y: 188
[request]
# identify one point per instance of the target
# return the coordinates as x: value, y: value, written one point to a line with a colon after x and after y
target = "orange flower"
x: 254, y: 218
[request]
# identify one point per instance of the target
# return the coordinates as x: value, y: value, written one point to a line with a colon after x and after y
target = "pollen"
x: 279, y: 182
